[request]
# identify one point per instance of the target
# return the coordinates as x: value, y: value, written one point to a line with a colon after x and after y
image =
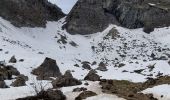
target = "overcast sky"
x: 65, y: 5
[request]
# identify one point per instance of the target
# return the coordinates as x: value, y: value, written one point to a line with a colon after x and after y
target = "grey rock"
x: 13, y: 60
x: 66, y: 80
x: 20, y: 81
x: 47, y: 69
x: 3, y: 84
x: 85, y: 95
x: 91, y: 16
x: 56, y: 95
x: 102, y: 67
x: 92, y: 76
x: 29, y: 13
x: 86, y: 66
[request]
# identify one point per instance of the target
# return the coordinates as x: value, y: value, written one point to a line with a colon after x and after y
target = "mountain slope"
x: 34, y: 44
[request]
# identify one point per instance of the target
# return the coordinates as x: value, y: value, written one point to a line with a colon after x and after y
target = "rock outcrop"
x: 66, y: 80
x: 85, y: 95
x: 92, y: 76
x: 20, y: 81
x: 29, y: 13
x: 47, y: 69
x: 90, y: 16
x: 13, y: 60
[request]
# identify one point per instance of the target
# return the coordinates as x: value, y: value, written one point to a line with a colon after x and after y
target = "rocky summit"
x: 31, y: 13
x: 91, y: 16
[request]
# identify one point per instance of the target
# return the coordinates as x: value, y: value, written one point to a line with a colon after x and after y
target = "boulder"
x: 79, y: 89
x: 102, y: 67
x: 29, y: 13
x: 6, y: 72
x: 92, y: 76
x: 66, y: 80
x: 68, y: 74
x: 20, y: 81
x: 13, y: 60
x: 12, y: 70
x: 56, y: 95
x: 47, y: 69
x: 85, y: 94
x: 86, y: 66
x: 88, y: 16
x: 3, y: 84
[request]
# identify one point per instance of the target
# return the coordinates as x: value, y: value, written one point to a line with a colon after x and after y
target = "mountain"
x: 45, y: 60
x: 29, y: 13
x: 91, y: 16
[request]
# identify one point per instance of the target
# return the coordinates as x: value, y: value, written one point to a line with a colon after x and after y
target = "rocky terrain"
x: 109, y: 57
x: 29, y: 13
x: 91, y: 16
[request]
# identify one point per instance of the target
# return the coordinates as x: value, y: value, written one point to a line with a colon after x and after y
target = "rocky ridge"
x: 91, y: 16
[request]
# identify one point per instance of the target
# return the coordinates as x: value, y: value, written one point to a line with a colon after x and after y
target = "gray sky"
x: 65, y: 5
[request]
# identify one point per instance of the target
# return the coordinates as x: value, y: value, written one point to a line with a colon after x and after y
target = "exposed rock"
x: 6, y: 72
x: 13, y: 70
x: 86, y: 66
x: 32, y: 13
x: 125, y: 89
x: 47, y: 95
x: 92, y: 76
x: 66, y: 80
x: 23, y: 77
x: 85, y: 95
x: 79, y: 89
x: 56, y: 95
x: 47, y: 69
x: 21, y: 60
x: 20, y: 81
x: 102, y: 67
x: 91, y: 16
x: 88, y: 16
x: 13, y: 60
x: 68, y: 74
x: 3, y: 84
x: 76, y: 65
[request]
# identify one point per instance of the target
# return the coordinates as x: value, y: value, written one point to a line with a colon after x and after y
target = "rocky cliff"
x: 90, y: 16
x: 31, y: 13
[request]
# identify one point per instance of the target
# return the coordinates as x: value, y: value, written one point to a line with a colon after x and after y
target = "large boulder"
x: 13, y: 60
x: 32, y: 13
x: 47, y: 69
x: 102, y: 67
x: 20, y: 81
x: 3, y: 84
x: 92, y: 76
x: 66, y: 80
x: 91, y: 16
x: 88, y: 16
x: 6, y: 72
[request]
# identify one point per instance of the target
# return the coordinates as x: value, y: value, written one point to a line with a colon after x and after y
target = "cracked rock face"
x: 88, y: 16
x: 29, y: 13
x: 91, y: 16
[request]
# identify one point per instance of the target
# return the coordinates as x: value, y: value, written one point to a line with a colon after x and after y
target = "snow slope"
x: 161, y: 91
x: 34, y: 44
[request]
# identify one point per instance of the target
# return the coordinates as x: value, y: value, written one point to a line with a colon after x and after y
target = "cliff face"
x: 31, y: 13
x: 90, y: 16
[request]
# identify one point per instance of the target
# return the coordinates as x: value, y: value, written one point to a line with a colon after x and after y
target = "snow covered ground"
x: 161, y: 91
x: 34, y: 44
